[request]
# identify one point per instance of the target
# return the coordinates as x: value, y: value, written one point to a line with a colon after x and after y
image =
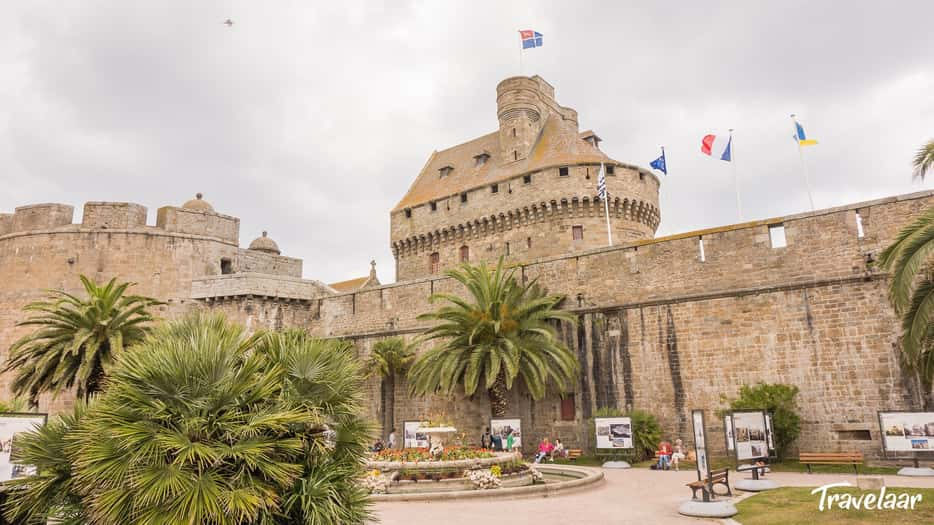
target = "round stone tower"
x: 525, y: 191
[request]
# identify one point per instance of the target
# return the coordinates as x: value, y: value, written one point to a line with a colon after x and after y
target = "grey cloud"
x: 311, y: 120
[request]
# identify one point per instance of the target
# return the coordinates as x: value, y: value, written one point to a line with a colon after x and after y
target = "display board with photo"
x: 749, y: 431
x: 728, y: 429
x: 768, y: 431
x: 11, y: 425
x: 907, y: 431
x: 411, y: 437
x: 700, y: 446
x: 503, y: 428
x: 613, y: 432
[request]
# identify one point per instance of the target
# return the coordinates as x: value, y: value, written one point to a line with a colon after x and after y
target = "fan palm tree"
x: 389, y: 358
x: 924, y: 160
x: 76, y: 339
x: 202, y: 423
x: 911, y: 291
x: 502, y: 332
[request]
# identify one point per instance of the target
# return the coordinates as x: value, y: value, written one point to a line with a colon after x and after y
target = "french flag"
x: 711, y: 143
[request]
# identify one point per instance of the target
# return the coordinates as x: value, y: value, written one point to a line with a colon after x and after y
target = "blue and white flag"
x: 660, y: 163
x: 601, y: 183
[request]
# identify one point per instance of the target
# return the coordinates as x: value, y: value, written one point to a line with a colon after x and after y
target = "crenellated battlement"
x: 98, y: 215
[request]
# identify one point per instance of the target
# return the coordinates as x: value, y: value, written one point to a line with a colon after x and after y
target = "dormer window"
x: 408, y: 213
x: 592, y: 139
x: 480, y: 160
x: 445, y: 171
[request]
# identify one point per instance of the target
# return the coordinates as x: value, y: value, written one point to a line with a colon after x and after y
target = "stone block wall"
x: 662, y: 329
x: 113, y: 215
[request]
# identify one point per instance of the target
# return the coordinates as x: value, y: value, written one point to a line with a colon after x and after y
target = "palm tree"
x: 202, y: 423
x: 389, y: 358
x: 77, y: 339
x: 924, y: 160
x: 911, y: 291
x: 503, y: 331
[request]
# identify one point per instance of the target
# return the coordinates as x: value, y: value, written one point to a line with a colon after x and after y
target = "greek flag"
x: 601, y: 183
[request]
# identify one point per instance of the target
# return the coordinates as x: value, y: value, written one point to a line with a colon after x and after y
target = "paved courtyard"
x: 627, y: 496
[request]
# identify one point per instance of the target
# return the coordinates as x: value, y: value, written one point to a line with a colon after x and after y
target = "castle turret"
x: 525, y: 191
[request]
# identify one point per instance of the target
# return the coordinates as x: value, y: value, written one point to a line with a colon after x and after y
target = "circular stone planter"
x: 916, y: 472
x: 754, y: 485
x: 577, y: 478
x: 709, y: 509
x: 458, y: 464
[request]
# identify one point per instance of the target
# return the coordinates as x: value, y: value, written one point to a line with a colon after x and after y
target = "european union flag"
x: 659, y: 163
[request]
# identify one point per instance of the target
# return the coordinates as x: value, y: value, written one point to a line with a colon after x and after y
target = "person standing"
x: 509, y: 440
x: 391, y: 441
x: 486, y: 439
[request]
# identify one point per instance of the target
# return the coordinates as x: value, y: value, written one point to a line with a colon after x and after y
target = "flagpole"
x: 804, y: 165
x: 520, y: 53
x: 606, y: 207
x: 739, y: 207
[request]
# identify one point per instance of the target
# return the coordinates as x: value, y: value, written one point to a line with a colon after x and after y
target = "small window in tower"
x: 494, y: 188
x: 226, y: 266
x: 507, y: 247
x: 642, y: 177
x: 515, y: 155
x: 526, y: 179
x: 577, y: 233
x: 563, y: 171
x: 700, y: 245
x: 513, y: 132
x: 434, y: 263
x: 777, y: 236
x: 465, y: 254
x: 859, y: 226
x: 408, y: 213
x: 610, y: 169
x: 464, y: 197
x: 434, y: 206
x: 567, y: 408
x: 528, y: 242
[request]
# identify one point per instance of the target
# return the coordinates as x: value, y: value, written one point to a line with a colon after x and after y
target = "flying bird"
x: 228, y: 23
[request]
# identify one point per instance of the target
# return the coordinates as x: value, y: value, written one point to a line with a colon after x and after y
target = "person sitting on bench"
x: 677, y: 454
x: 664, y: 455
x: 544, y: 449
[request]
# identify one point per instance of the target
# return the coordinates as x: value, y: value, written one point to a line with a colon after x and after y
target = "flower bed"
x: 452, y: 453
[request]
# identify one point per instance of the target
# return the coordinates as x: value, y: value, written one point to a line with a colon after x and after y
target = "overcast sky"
x: 311, y: 121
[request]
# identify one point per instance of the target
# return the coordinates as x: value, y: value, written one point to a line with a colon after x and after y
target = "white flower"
x: 482, y: 479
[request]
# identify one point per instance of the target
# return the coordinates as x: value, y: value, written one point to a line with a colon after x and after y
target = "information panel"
x: 907, y: 431
x: 700, y: 449
x: 11, y: 425
x: 750, y: 432
x: 728, y: 429
x: 613, y: 432
x: 505, y: 427
x: 411, y: 437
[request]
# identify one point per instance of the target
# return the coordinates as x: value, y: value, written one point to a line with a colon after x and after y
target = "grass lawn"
x: 796, y: 506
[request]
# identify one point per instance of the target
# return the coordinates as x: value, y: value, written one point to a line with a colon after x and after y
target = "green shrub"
x: 779, y: 399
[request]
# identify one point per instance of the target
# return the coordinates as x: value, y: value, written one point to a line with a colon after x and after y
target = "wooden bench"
x: 831, y: 458
x: 719, y: 476
x: 574, y: 453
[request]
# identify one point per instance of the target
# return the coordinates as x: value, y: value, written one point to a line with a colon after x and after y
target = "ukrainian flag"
x: 801, y: 137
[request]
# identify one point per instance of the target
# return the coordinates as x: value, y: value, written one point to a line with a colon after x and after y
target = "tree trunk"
x: 382, y: 406
x: 498, y: 402
x: 390, y: 403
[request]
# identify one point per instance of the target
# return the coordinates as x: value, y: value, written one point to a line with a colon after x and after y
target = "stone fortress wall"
x: 189, y: 257
x: 664, y: 330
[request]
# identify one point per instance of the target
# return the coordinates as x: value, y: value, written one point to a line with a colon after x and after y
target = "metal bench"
x: 831, y: 458
x: 719, y: 476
